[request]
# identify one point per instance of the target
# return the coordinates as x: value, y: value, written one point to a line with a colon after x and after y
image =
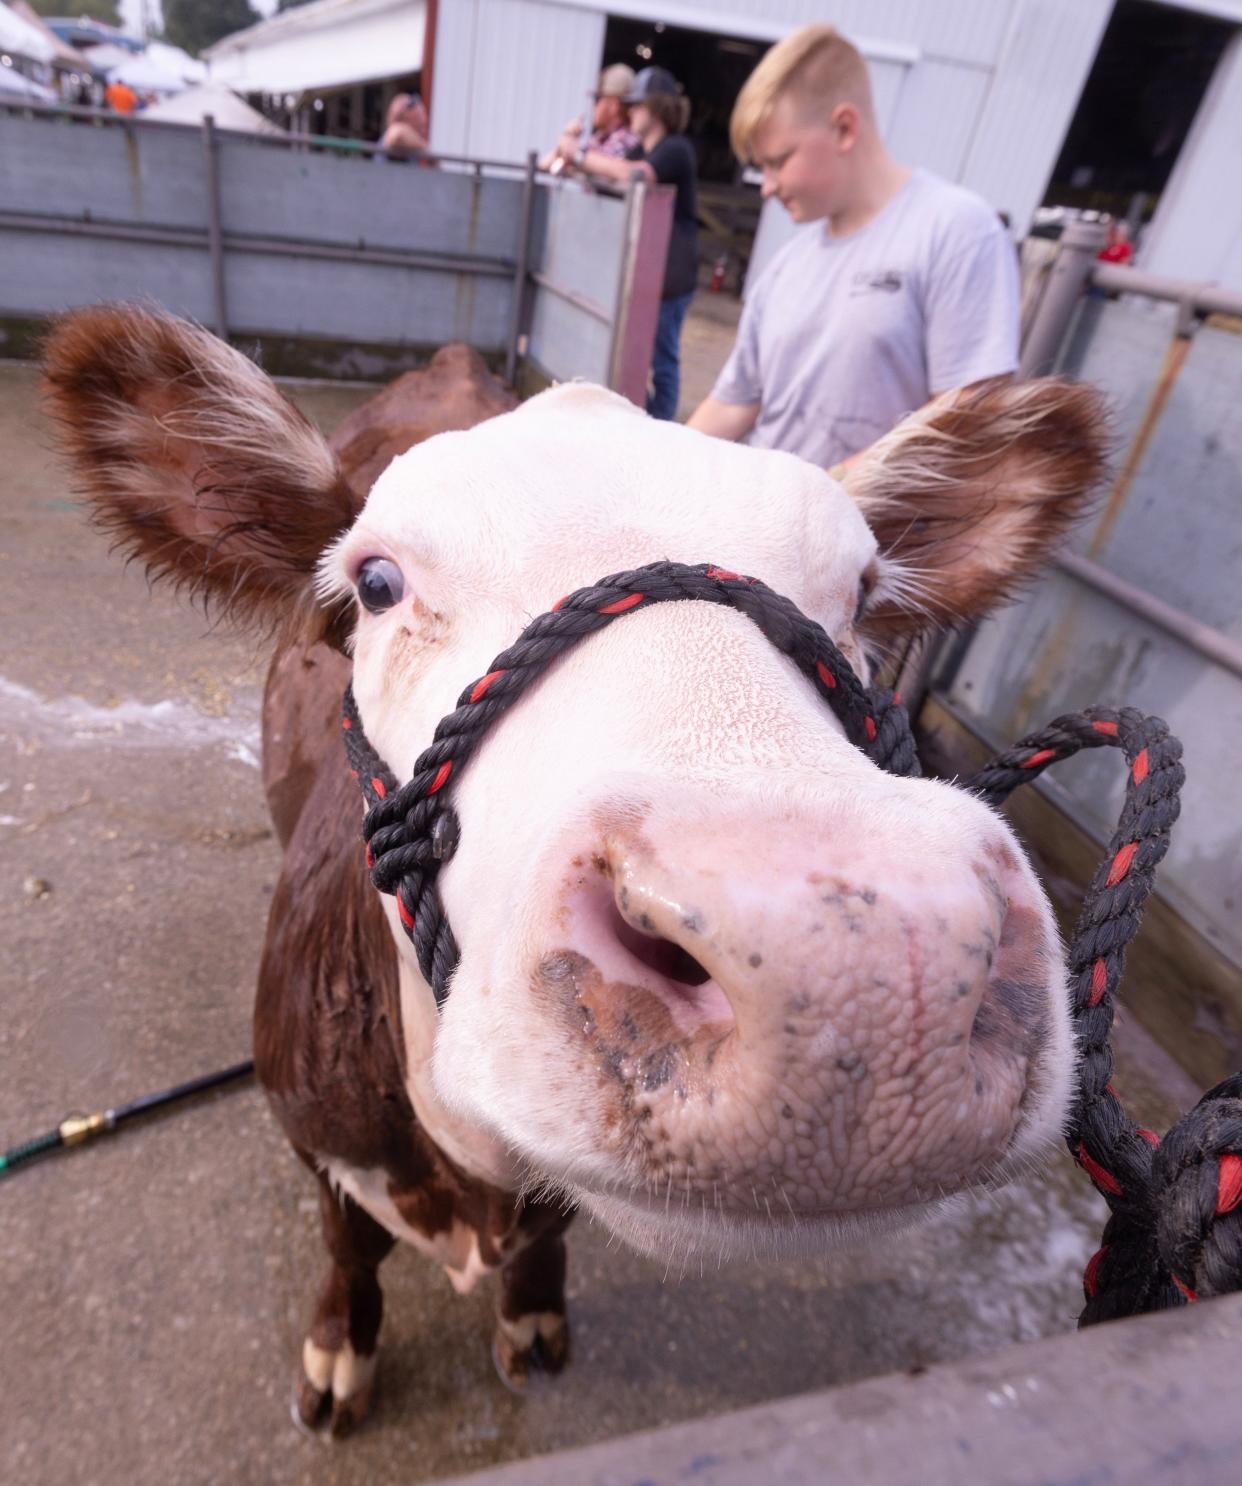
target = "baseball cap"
x: 615, y: 81
x: 653, y: 80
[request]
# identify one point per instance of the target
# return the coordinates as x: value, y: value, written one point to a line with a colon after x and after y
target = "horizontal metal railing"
x: 1202, y: 299
x: 301, y: 247
x: 107, y: 118
x: 1209, y: 643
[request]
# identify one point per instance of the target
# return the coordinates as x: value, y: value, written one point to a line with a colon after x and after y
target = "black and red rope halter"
x: 1175, y: 1230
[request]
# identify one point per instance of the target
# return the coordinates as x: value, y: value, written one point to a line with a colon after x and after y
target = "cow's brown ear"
x: 188, y: 453
x: 969, y: 496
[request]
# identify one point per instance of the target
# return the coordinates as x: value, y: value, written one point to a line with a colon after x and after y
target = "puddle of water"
x: 73, y: 720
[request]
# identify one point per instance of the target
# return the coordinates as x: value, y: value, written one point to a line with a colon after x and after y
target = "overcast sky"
x: 132, y: 12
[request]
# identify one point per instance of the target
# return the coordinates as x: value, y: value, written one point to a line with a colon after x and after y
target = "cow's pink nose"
x: 783, y: 938
x: 847, y: 1010
x: 643, y: 940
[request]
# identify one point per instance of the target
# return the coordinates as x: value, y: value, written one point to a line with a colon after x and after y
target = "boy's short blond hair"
x: 816, y: 66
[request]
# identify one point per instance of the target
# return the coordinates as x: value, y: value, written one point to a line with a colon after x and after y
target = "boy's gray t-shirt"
x: 843, y: 336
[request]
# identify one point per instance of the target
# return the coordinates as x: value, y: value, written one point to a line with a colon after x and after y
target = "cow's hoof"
x: 552, y: 1344
x: 333, y: 1388
x: 310, y: 1406
x: 530, y: 1343
x: 512, y: 1362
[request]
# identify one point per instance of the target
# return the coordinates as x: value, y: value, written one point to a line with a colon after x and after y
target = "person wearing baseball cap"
x: 659, y: 113
x: 610, y: 121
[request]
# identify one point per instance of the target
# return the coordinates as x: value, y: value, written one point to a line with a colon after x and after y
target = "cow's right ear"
x: 969, y: 496
x: 192, y: 458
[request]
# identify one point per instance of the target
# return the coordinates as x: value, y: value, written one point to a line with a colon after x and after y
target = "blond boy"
x: 908, y: 289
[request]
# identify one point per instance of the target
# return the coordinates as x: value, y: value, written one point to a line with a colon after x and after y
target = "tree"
x: 194, y: 24
x: 107, y: 11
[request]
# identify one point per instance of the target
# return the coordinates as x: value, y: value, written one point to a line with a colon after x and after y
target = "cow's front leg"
x: 339, y: 1353
x: 530, y: 1320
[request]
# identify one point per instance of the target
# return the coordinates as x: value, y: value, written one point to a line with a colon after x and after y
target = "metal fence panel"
x: 311, y: 246
x: 1175, y: 530
x: 366, y: 303
x: 355, y: 200
x: 78, y: 198
x: 119, y: 173
x: 46, y: 272
x: 579, y: 261
x: 562, y: 335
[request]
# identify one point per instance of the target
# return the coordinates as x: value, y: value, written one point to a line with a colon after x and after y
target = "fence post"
x: 215, y: 239
x: 634, y: 195
x: 521, y: 267
x: 648, y: 222
x: 1080, y: 243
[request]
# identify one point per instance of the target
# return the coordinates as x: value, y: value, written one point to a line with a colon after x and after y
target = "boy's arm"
x: 733, y: 406
x: 724, y: 420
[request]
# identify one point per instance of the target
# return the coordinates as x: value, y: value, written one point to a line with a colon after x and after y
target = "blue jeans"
x: 666, y: 358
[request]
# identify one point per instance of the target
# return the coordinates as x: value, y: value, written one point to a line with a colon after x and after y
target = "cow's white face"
x: 721, y: 978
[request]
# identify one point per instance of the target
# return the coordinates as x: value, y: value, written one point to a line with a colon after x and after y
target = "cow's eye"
x: 380, y: 584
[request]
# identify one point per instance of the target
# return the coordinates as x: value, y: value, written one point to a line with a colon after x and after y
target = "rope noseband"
x: 1175, y: 1231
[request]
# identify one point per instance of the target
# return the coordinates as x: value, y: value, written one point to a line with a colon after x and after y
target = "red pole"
x: 429, y: 52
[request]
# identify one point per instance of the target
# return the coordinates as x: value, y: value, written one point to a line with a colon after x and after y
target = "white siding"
x: 1224, y: 10
x: 967, y: 30
x: 1197, y: 230
x: 1038, y: 81
x: 509, y: 74
x: 936, y: 115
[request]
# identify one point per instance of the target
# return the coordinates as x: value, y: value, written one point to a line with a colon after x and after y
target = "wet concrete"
x: 157, y: 1282
x: 707, y: 337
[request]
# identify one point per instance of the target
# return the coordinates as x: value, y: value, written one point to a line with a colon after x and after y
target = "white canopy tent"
x: 19, y: 38
x: 326, y: 44
x: 227, y: 109
x: 107, y: 56
x: 145, y: 75
x: 179, y: 63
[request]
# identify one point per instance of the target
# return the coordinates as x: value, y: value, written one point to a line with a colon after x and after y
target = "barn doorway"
x: 711, y: 68
x: 1149, y: 77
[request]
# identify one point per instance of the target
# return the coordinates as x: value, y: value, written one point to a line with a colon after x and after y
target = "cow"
x: 723, y: 982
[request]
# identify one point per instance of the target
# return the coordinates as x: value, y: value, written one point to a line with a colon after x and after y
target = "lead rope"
x: 1175, y: 1230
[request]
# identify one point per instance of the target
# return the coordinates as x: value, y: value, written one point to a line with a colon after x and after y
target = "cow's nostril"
x: 661, y: 955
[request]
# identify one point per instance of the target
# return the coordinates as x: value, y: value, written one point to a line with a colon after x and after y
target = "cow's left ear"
x: 190, y: 456
x: 969, y: 496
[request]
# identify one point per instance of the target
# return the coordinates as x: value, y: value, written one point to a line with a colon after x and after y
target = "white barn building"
x: 1115, y: 103
x: 981, y: 91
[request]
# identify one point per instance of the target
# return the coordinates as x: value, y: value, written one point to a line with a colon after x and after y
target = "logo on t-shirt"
x: 886, y: 280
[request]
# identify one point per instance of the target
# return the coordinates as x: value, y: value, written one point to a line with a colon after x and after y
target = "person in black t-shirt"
x: 658, y: 115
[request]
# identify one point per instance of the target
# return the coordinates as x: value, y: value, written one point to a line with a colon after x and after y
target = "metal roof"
x: 326, y: 44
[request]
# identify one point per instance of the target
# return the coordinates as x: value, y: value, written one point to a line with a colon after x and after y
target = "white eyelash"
x: 331, y: 584
x: 899, y: 584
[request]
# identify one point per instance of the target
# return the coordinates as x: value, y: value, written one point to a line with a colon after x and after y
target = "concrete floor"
x: 158, y: 1281
x: 706, y: 339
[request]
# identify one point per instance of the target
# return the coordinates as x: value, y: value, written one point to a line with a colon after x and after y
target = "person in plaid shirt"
x: 610, y: 120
